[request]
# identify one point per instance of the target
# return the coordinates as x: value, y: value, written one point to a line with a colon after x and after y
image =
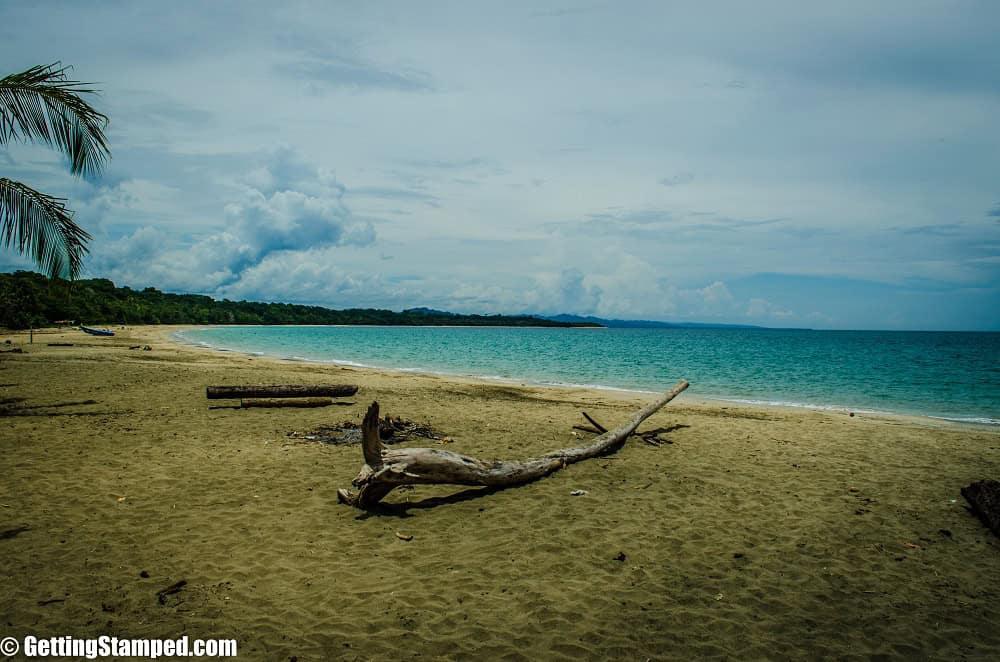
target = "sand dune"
x: 758, y: 533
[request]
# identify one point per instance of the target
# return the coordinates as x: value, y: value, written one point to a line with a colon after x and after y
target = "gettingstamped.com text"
x: 106, y: 646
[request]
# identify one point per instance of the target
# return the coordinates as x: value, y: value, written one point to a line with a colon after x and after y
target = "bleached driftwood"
x: 386, y: 469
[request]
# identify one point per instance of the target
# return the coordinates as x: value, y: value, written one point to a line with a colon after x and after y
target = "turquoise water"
x: 946, y: 375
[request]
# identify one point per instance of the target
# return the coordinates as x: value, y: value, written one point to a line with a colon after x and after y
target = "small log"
x: 385, y: 469
x: 162, y: 594
x: 984, y: 497
x: 281, y: 391
x: 247, y: 403
x: 652, y: 437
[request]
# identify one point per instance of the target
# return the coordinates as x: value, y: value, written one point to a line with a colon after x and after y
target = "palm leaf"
x: 42, y: 104
x: 43, y: 227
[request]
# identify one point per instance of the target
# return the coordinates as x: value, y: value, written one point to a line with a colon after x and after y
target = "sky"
x: 821, y: 164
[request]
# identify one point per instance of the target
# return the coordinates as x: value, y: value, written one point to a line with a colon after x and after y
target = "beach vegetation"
x: 29, y: 299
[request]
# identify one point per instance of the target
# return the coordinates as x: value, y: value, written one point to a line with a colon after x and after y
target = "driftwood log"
x: 247, y: 403
x: 984, y: 497
x: 282, y: 391
x: 386, y: 469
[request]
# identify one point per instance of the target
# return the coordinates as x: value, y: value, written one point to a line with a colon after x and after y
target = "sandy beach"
x: 758, y: 533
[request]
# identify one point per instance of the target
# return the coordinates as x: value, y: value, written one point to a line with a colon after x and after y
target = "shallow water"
x: 947, y: 375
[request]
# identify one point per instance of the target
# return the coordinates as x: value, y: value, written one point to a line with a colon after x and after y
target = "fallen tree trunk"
x: 386, y: 469
x: 247, y: 403
x: 984, y: 497
x: 282, y: 391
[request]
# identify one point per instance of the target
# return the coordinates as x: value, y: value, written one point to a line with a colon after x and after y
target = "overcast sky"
x: 830, y: 165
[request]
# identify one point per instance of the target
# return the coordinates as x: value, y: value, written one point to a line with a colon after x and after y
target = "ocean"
x: 954, y: 376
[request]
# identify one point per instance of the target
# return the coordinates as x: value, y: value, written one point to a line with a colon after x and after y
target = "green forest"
x: 29, y: 299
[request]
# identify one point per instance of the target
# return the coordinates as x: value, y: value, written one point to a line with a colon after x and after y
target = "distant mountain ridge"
x: 590, y: 320
x: 642, y: 324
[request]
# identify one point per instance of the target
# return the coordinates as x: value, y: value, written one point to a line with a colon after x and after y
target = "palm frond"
x: 43, y: 104
x: 42, y: 226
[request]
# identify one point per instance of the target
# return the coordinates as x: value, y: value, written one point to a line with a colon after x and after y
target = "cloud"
x: 716, y: 294
x: 356, y: 75
x: 448, y: 164
x: 117, y: 202
x: 286, y: 205
x: 921, y: 56
x: 633, y: 217
x: 764, y: 310
x: 391, y: 193
x: 334, y: 61
x: 679, y: 179
x: 313, y: 277
x: 936, y: 230
x: 283, y: 169
x: 567, y: 290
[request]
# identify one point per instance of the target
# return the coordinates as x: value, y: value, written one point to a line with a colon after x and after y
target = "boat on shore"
x: 96, y: 332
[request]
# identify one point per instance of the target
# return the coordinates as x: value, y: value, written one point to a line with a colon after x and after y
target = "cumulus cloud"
x: 285, y: 205
x: 137, y: 248
x: 566, y: 290
x: 117, y: 202
x: 716, y: 294
x: 285, y: 220
x: 311, y: 276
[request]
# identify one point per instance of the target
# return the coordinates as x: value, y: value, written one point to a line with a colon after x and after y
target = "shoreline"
x: 173, y: 335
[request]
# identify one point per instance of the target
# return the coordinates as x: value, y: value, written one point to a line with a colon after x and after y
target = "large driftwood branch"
x: 386, y: 469
x: 282, y: 391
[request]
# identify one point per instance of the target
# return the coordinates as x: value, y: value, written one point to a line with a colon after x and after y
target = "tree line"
x: 29, y: 299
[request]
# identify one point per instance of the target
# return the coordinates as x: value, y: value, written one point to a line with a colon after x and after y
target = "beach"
x: 756, y: 533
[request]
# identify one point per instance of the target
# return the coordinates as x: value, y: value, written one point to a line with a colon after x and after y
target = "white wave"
x: 971, y: 419
x: 345, y: 362
x: 797, y: 405
x: 595, y: 387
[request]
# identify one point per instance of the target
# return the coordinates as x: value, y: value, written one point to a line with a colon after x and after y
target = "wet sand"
x: 758, y: 533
